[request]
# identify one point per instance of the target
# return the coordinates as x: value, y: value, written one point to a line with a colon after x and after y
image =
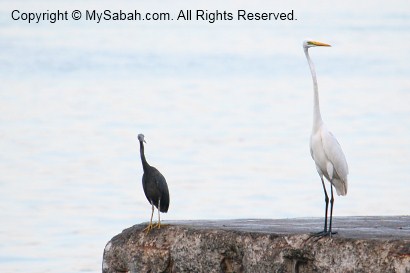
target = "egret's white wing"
x: 335, y: 154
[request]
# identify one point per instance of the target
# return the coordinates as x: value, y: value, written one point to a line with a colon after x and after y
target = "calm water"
x: 226, y: 110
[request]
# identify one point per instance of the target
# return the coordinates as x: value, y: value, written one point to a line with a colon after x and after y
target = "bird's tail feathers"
x: 164, y: 204
x: 341, y: 186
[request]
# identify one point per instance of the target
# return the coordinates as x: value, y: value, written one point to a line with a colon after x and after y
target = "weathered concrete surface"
x: 363, y: 244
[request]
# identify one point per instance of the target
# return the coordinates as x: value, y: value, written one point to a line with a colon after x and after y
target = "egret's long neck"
x: 145, y: 164
x: 317, y: 118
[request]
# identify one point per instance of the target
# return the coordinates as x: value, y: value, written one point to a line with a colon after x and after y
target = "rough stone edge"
x: 125, y: 249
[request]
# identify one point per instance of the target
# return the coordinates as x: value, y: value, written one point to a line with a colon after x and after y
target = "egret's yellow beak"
x: 317, y: 43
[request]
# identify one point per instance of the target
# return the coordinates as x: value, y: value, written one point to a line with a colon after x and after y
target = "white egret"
x: 324, y: 148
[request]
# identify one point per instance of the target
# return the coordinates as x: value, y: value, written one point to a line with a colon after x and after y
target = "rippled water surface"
x: 226, y: 109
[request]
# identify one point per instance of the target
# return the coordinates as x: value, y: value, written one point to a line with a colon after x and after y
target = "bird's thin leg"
x: 331, y: 211
x: 159, y: 218
x: 324, y: 232
x: 327, y: 204
x: 159, y: 215
x: 149, y: 227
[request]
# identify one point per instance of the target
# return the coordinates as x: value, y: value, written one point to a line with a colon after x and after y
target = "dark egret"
x: 325, y: 149
x: 155, y: 187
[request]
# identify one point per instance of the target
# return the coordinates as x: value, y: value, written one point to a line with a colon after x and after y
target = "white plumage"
x: 329, y: 158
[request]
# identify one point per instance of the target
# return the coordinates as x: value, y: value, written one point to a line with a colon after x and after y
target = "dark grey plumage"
x: 154, y: 185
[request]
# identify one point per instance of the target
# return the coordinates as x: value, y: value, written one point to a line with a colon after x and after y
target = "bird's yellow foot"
x: 157, y: 225
x: 148, y: 228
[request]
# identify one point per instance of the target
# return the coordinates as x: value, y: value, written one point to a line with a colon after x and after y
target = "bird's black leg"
x: 332, y: 199
x: 324, y: 232
x: 327, y: 204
